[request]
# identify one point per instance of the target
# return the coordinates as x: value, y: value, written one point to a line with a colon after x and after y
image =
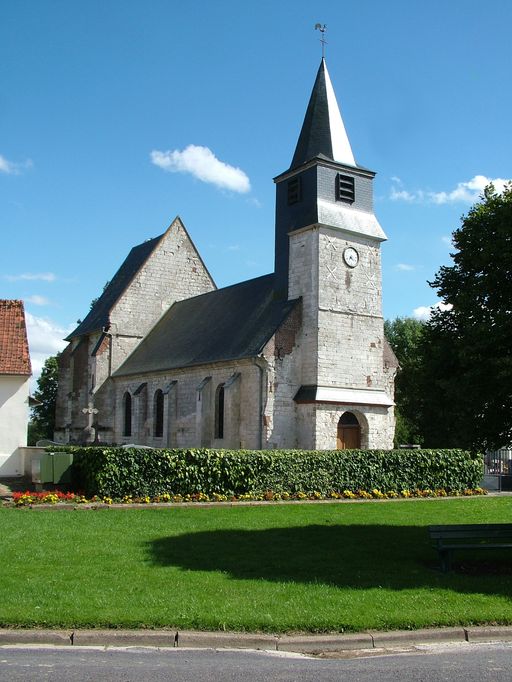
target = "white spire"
x: 323, y: 132
x: 341, y: 149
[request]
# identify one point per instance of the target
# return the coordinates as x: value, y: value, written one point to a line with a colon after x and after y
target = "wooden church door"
x: 349, y: 432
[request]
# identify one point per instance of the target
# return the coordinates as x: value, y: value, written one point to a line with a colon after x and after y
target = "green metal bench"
x: 448, y: 539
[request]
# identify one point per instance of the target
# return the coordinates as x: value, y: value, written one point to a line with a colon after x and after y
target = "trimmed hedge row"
x: 119, y: 472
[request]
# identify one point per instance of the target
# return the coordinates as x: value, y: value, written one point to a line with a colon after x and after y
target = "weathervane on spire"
x: 322, y: 28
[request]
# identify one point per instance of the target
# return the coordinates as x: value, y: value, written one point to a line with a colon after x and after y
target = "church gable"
x: 155, y: 273
x: 173, y: 271
x: 99, y: 315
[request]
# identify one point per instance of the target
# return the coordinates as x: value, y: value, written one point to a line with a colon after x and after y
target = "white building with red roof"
x: 15, y: 372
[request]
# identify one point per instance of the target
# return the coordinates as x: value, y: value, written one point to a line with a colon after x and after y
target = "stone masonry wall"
x: 189, y: 412
x: 303, y: 282
x: 351, y: 328
x: 173, y: 272
x: 377, y: 426
x: 63, y: 403
x: 284, y: 355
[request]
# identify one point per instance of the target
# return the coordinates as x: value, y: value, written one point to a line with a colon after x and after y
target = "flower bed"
x: 47, y: 497
x: 27, y: 498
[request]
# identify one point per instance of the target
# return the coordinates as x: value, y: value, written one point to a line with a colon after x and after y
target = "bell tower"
x: 323, y: 185
x: 327, y: 251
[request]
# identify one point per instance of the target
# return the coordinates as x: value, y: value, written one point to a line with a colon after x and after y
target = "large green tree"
x: 42, y: 423
x: 405, y: 335
x: 469, y: 347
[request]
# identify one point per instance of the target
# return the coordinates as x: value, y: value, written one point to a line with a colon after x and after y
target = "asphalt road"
x: 449, y: 662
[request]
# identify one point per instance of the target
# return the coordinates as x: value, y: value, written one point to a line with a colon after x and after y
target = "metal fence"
x: 498, y: 469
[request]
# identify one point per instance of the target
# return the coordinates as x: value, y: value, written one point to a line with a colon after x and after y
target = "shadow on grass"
x: 357, y: 556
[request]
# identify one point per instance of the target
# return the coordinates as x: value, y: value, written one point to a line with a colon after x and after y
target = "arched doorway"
x: 349, y: 432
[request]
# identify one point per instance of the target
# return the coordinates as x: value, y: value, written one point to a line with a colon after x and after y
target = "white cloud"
x: 45, y: 338
x: 447, y: 240
x: 465, y: 192
x: 12, y: 168
x: 32, y: 276
x: 404, y: 267
x: 202, y: 163
x: 468, y: 192
x: 37, y: 300
x: 423, y: 312
x: 402, y: 195
x: 234, y: 247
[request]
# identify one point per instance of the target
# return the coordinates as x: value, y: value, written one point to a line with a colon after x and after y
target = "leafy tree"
x: 405, y: 335
x: 42, y: 423
x: 95, y: 300
x: 469, y: 346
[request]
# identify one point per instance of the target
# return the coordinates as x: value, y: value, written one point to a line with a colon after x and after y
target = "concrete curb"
x: 54, y: 637
x: 315, y: 644
x: 309, y: 644
x: 394, y: 638
x: 489, y: 633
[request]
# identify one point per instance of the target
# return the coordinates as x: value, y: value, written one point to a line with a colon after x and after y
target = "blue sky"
x: 100, y: 100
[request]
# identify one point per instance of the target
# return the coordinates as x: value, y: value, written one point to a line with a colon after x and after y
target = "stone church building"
x: 293, y: 359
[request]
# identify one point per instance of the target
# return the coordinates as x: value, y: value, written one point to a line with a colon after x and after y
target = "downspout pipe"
x: 262, y: 365
x: 106, y: 331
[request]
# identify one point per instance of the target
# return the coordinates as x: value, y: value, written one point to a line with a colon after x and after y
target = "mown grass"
x: 314, y: 567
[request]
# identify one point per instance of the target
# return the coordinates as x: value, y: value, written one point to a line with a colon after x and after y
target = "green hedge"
x: 116, y: 472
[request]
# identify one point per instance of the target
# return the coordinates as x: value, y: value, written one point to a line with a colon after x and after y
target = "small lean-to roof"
x: 227, y: 324
x: 14, y: 354
x: 99, y: 315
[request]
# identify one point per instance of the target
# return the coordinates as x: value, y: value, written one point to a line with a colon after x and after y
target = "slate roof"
x: 99, y: 316
x: 14, y: 354
x: 227, y: 324
x: 323, y: 134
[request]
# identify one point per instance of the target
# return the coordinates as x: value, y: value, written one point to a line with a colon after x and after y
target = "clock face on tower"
x: 351, y: 257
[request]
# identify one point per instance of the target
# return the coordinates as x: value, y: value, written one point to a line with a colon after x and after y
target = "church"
x: 293, y: 359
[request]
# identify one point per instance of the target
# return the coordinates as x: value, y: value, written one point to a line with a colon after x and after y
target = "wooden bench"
x: 447, y: 539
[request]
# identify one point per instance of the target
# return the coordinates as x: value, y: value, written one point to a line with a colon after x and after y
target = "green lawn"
x: 311, y: 567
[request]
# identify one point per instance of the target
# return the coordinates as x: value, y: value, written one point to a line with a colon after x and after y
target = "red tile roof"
x: 14, y: 355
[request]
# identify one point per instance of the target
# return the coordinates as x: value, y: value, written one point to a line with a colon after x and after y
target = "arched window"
x: 127, y: 414
x: 158, y: 414
x: 219, y: 411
